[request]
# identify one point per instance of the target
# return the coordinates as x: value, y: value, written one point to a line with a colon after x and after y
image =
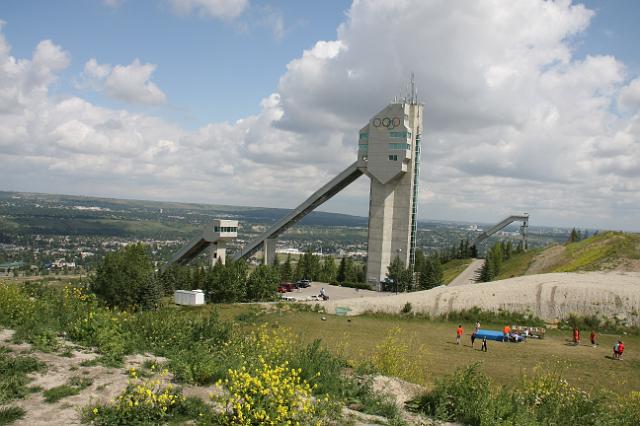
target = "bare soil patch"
x: 546, y: 260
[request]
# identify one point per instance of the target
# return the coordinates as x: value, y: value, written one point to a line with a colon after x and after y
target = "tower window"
x: 393, y: 158
x: 400, y: 146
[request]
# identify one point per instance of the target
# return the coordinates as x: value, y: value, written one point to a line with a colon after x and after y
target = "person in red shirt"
x: 576, y: 336
x: 506, y: 332
x: 592, y: 337
x: 620, y: 349
x: 458, y: 334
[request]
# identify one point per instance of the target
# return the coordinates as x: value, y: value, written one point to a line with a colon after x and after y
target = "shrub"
x: 266, y: 394
x: 11, y: 414
x: 74, y: 387
x: 13, y: 375
x: 493, y: 317
x: 553, y: 400
x: 594, y: 322
x: 142, y: 402
x: 359, y: 286
x: 468, y: 396
x: 463, y: 397
x: 125, y: 279
x: 395, y: 357
x: 406, y: 308
x: 318, y: 365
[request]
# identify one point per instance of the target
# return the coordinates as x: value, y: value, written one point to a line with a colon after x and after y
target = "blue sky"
x: 529, y: 105
x: 211, y: 70
x: 614, y: 30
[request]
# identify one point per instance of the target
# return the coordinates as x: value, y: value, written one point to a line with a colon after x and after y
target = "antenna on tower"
x: 413, y: 97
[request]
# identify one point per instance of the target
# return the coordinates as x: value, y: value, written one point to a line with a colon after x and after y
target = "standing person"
x: 473, y: 338
x: 576, y: 336
x: 458, y: 334
x: 620, y: 349
x: 484, y: 344
x: 592, y: 337
x: 616, y: 348
x: 477, y: 326
x: 506, y: 332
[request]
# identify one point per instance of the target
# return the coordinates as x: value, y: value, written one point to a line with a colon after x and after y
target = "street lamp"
x: 398, y: 277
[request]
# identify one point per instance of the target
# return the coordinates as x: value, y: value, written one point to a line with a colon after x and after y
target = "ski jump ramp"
x: 267, y: 239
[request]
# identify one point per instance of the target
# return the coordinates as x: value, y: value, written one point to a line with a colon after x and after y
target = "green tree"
x: 328, y: 274
x: 228, y: 283
x: 399, y: 277
x: 419, y: 264
x: 574, y: 236
x: 297, y: 274
x: 168, y: 279
x: 310, y: 266
x: 486, y: 273
x: 262, y: 283
x: 341, y: 275
x: 198, y: 280
x: 431, y: 274
x: 126, y: 279
x: 285, y: 269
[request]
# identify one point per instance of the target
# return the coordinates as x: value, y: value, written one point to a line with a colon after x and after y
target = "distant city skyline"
x: 530, y: 106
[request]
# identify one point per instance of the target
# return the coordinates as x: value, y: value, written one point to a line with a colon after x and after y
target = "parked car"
x: 287, y: 286
x: 304, y: 283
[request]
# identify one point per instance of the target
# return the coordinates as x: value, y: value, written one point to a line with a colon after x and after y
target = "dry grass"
x: 357, y: 337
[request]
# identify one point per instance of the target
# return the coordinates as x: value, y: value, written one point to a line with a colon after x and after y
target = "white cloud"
x: 629, y: 98
x: 130, y: 83
x: 222, y: 9
x: 513, y: 122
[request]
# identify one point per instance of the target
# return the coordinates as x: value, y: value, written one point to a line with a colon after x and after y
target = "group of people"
x: 459, y: 332
x: 618, y: 347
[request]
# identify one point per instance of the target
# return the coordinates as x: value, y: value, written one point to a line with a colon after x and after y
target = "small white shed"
x: 189, y: 297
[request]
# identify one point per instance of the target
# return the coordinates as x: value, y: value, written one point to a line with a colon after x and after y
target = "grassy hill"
x: 602, y: 252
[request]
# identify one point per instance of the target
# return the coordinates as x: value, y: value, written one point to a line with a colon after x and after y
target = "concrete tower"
x: 389, y: 153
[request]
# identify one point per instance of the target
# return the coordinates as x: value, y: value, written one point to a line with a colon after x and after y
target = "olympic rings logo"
x: 389, y: 123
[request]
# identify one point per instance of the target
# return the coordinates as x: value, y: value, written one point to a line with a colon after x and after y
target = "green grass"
x: 357, y: 337
x: 73, y: 387
x: 600, y: 252
x: 13, y: 375
x: 11, y: 414
x: 518, y: 264
x: 453, y: 268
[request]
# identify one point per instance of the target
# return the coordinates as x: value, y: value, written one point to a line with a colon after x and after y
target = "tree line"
x: 496, y: 255
x: 127, y: 278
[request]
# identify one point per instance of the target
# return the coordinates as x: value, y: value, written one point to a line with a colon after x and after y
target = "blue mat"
x: 490, y: 335
x: 497, y: 336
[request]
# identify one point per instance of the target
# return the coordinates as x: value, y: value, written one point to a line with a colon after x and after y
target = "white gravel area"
x: 333, y: 291
x: 548, y: 296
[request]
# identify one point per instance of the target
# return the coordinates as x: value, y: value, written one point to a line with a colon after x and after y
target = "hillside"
x: 608, y: 251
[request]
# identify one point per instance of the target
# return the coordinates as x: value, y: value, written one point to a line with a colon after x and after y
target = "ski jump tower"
x: 389, y: 153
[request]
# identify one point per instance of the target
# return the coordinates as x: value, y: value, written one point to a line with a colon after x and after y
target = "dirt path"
x: 106, y: 384
x: 469, y: 275
x: 545, y: 261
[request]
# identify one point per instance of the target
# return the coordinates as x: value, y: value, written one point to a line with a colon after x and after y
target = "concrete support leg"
x: 217, y: 253
x: 269, y: 251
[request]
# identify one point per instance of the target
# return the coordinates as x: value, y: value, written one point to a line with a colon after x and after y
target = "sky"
x: 530, y: 105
